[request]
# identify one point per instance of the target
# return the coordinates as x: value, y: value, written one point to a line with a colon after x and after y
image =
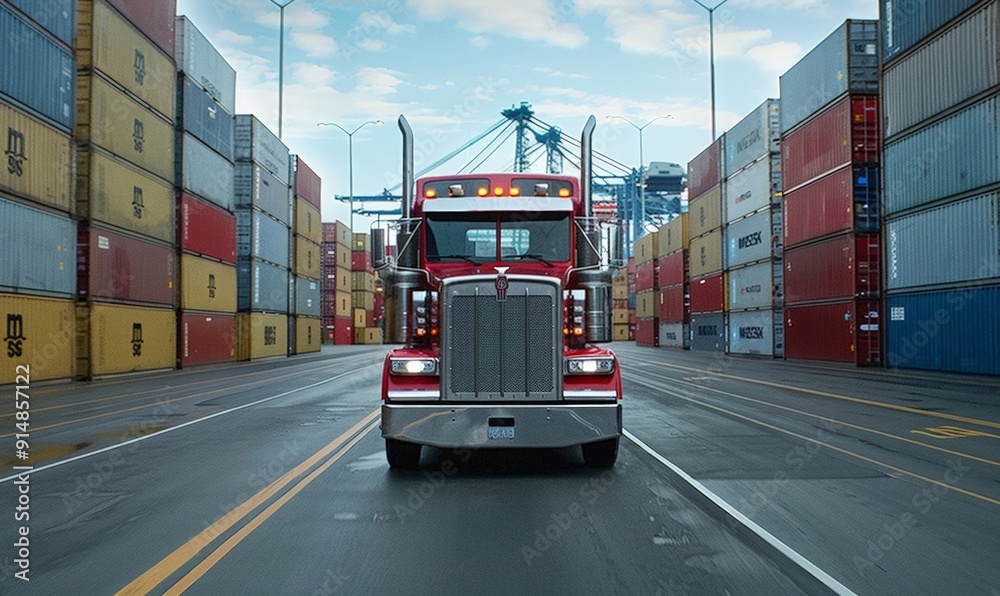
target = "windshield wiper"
x: 532, y: 256
x: 463, y: 257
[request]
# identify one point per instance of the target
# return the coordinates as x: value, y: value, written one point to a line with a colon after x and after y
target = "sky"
x: 451, y: 66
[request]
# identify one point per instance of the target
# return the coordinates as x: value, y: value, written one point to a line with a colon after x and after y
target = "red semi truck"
x: 500, y: 296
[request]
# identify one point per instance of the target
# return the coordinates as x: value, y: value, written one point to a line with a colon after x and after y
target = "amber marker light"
x: 498, y: 191
x: 515, y: 192
x: 564, y: 192
x: 483, y: 192
x: 430, y: 193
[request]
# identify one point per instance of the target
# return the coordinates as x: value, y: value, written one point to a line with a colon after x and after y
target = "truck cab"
x: 500, y: 298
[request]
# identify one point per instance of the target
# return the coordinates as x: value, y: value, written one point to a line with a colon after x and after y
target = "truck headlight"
x: 590, y: 366
x: 413, y: 366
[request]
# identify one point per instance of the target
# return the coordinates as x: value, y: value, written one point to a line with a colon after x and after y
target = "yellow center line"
x: 155, y: 575
x: 208, y: 562
x: 867, y: 402
x: 835, y: 421
x: 828, y: 445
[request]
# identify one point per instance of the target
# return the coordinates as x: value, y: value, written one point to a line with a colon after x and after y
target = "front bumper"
x: 466, y: 425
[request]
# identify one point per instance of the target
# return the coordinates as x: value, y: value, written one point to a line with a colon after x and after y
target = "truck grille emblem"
x: 501, y: 283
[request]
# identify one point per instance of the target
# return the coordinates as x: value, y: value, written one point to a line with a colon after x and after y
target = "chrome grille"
x: 493, y: 350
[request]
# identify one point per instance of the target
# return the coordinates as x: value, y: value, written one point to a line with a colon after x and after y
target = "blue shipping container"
x: 261, y: 286
x: 954, y: 156
x: 204, y: 117
x: 261, y: 236
x: 907, y: 22
x: 36, y: 72
x: 956, y: 330
x: 257, y: 187
x: 204, y: 173
x: 708, y: 332
x: 255, y: 142
x: 306, y: 296
x: 39, y: 251
x: 58, y: 17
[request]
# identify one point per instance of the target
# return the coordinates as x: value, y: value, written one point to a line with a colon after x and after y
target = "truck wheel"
x: 601, y: 454
x: 402, y: 455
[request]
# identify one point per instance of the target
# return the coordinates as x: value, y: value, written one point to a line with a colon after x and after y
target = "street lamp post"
x: 350, y: 158
x: 642, y: 169
x: 711, y: 52
x: 281, y: 57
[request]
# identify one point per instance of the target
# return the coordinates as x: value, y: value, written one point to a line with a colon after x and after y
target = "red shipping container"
x: 330, y: 233
x: 645, y: 277
x: 343, y: 331
x: 378, y: 306
x: 847, y: 132
x: 673, y: 269
x: 206, y: 338
x: 705, y: 170
x: 361, y: 261
x: 206, y: 230
x: 155, y: 18
x: 117, y: 267
x: 307, y: 186
x: 647, y: 332
x: 707, y: 294
x: 839, y: 268
x: 845, y: 331
x: 819, y: 208
x: 630, y: 269
x: 673, y: 307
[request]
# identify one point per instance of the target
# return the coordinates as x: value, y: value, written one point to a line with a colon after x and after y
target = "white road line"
x: 717, y: 501
x: 180, y: 426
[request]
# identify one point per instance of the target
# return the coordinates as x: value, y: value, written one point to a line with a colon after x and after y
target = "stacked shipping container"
x: 124, y: 125
x: 363, y: 292
x: 647, y: 312
x: 941, y: 98
x: 335, y: 286
x: 754, y: 293
x: 672, y: 281
x: 830, y: 151
x: 705, y: 185
x: 263, y: 239
x: 307, y: 268
x: 37, y: 236
x: 206, y: 226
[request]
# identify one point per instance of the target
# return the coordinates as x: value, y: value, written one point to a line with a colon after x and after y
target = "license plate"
x: 501, y: 432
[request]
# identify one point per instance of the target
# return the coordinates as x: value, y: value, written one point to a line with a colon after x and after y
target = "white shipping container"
x: 199, y: 59
x: 750, y: 239
x: 675, y: 335
x: 751, y: 287
x: 751, y: 189
x: 754, y: 137
x: 751, y: 332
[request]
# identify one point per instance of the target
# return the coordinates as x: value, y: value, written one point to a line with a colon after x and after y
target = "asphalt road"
x: 270, y: 478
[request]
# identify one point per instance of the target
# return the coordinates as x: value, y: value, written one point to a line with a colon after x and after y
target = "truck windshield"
x: 473, y: 237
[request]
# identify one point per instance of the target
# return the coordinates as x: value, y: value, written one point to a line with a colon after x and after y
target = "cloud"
x: 313, y: 75
x: 377, y: 81
x: 530, y: 20
x: 233, y: 38
x: 382, y: 21
x: 480, y: 42
x: 316, y: 45
x: 560, y: 74
x: 775, y: 57
x: 297, y: 16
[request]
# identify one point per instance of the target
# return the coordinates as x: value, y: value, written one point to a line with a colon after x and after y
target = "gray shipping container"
x: 955, y: 66
x: 256, y: 187
x: 754, y: 137
x: 749, y: 240
x: 956, y: 155
x: 35, y: 72
x: 675, y: 335
x: 205, y: 173
x: 708, y: 332
x: 846, y: 61
x: 204, y: 117
x: 306, y: 296
x: 752, y: 189
x: 261, y: 236
x: 58, y: 17
x: 255, y: 142
x: 751, y: 332
x: 199, y: 59
x: 957, y: 242
x: 261, y: 286
x: 751, y: 287
x: 39, y: 251
x: 906, y: 23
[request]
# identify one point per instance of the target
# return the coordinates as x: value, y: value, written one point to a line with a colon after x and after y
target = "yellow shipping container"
x: 619, y: 316
x: 367, y: 336
x: 619, y: 292
x: 362, y: 243
x: 106, y: 117
x: 112, y: 338
x: 307, y: 221
x: 259, y: 335
x: 307, y: 335
x: 344, y: 303
x: 344, y: 279
x: 619, y: 332
x: 674, y: 236
x: 645, y: 248
x: 307, y: 263
x: 345, y: 239
x: 359, y: 317
x: 114, y: 192
x: 207, y: 285
x: 705, y: 212
x: 706, y: 254
x: 39, y: 160
x: 362, y: 281
x: 363, y: 299
x: 39, y: 336
x: 112, y: 45
x: 647, y: 305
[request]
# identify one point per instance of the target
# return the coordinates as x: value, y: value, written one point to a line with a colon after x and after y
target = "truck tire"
x: 402, y: 455
x: 601, y: 454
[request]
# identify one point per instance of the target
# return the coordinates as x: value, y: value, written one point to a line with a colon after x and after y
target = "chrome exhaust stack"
x: 401, y: 281
x: 595, y: 281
